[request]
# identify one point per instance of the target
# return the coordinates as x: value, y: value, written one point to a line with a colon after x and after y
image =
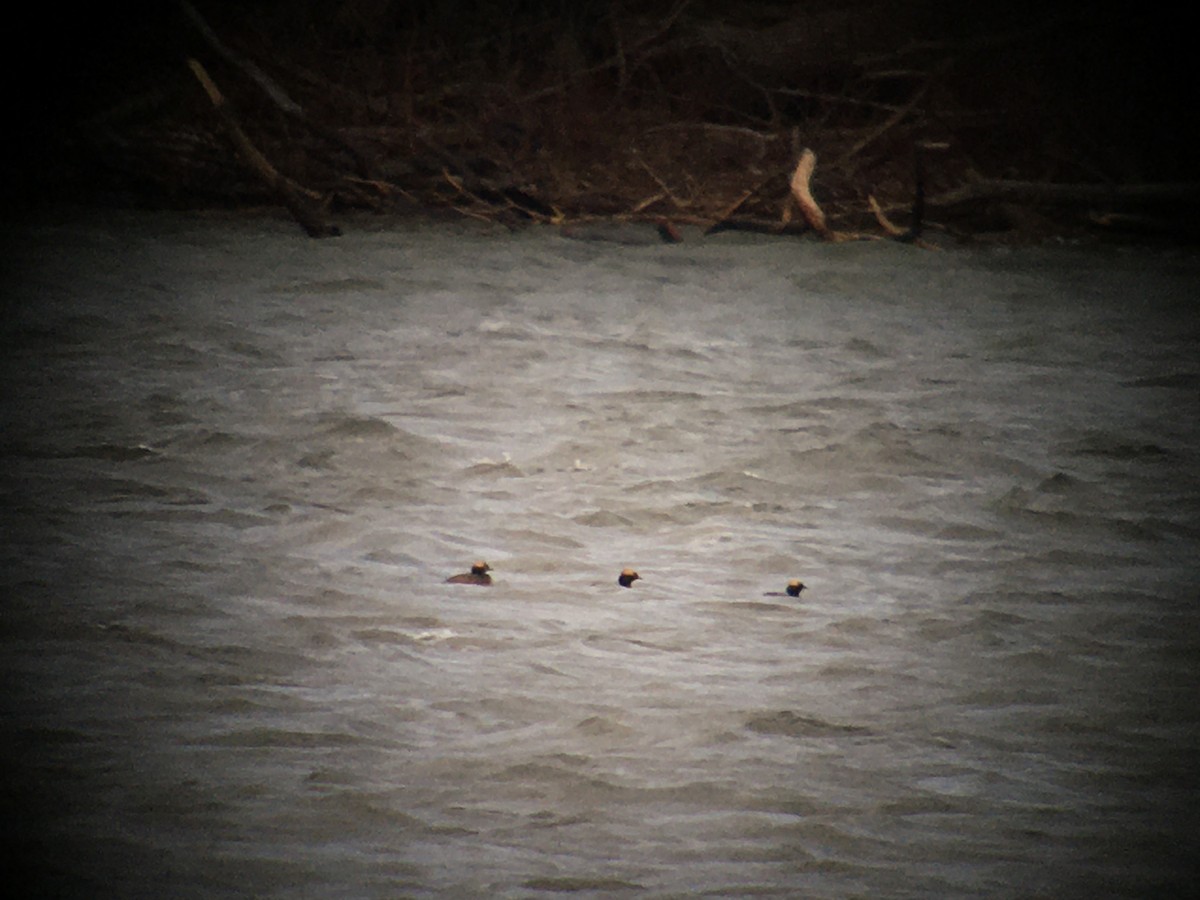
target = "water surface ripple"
x: 238, y: 466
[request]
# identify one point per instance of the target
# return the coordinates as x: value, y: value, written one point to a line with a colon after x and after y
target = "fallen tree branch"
x: 891, y: 121
x: 912, y: 234
x: 725, y: 214
x: 890, y: 227
x: 723, y: 218
x: 803, y: 195
x: 268, y: 86
x: 680, y: 204
x: 302, y: 207
x: 278, y: 96
x: 648, y: 201
x: 502, y: 203
x: 894, y: 231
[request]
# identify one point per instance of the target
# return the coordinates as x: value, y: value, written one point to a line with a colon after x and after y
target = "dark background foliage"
x: 597, y: 106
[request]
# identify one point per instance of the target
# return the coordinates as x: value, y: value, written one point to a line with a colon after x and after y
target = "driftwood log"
x: 300, y: 203
x: 802, y: 192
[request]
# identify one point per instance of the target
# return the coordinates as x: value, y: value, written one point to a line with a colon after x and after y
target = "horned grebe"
x: 478, y: 575
x: 794, y: 587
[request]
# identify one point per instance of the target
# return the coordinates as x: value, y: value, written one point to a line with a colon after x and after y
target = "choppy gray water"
x: 239, y: 464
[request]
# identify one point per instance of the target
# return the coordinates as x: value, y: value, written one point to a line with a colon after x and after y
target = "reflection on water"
x: 239, y: 467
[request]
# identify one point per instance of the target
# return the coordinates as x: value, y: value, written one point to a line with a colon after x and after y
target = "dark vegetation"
x: 1040, y: 119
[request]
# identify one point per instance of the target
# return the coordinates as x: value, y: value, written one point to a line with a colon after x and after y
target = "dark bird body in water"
x: 627, y: 578
x: 794, y: 587
x: 478, y: 575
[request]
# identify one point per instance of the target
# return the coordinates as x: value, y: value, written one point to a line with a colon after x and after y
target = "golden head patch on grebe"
x: 627, y: 578
x: 478, y: 575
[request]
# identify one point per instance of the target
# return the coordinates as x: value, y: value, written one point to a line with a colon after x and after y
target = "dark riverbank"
x: 1038, y: 122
